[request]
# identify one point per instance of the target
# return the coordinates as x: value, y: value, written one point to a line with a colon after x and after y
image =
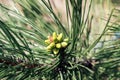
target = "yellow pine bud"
x: 55, y: 51
x: 48, y: 48
x: 58, y: 45
x: 64, y: 44
x: 50, y: 39
x: 52, y: 45
x: 47, y: 42
x: 66, y: 40
x: 54, y: 35
x: 60, y: 36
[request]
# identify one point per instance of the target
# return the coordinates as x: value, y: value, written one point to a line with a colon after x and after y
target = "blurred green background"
x: 100, y: 11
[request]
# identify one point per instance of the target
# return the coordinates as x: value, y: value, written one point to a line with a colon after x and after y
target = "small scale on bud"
x: 52, y: 45
x: 54, y: 36
x: 66, y: 40
x: 55, y: 51
x: 50, y: 39
x: 48, y: 48
x: 58, y: 45
x: 60, y: 36
x: 47, y: 42
x: 64, y: 44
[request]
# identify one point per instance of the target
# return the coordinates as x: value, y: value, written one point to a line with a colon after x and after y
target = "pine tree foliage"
x: 23, y: 54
